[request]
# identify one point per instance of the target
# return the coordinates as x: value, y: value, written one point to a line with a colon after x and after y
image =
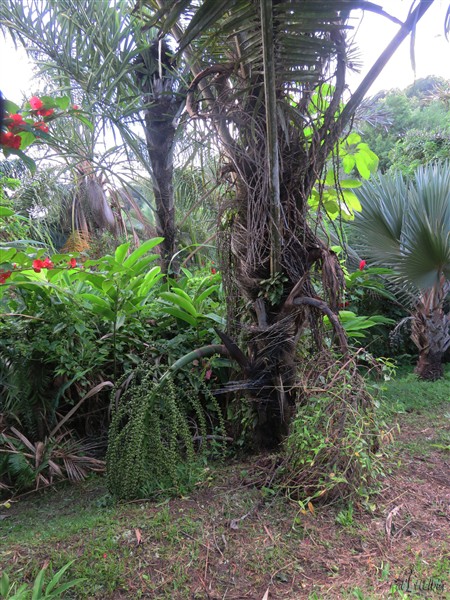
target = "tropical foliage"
x: 252, y: 96
x: 409, y: 127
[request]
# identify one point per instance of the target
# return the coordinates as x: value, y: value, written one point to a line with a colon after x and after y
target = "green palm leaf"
x: 406, y: 225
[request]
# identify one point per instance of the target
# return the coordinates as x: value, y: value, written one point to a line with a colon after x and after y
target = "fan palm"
x: 405, y: 225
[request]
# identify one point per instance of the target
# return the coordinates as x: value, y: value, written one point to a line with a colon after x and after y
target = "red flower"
x: 208, y: 374
x: 42, y: 264
x: 37, y: 265
x: 105, y: 555
x: 213, y: 271
x: 10, y: 140
x: 72, y: 263
x: 16, y: 120
x: 36, y: 103
x: 45, y: 112
x: 47, y: 264
x: 4, y: 276
x: 41, y: 126
x: 362, y: 264
x: 75, y: 107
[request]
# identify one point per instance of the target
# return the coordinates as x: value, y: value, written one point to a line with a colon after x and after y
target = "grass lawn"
x: 228, y: 540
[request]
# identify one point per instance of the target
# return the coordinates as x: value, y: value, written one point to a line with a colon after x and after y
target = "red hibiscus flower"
x: 47, y: 264
x: 72, y: 263
x: 36, y: 103
x: 213, y: 271
x: 362, y: 264
x: 41, y: 126
x: 4, y: 276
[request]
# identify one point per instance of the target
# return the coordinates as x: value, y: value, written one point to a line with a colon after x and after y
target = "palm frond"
x: 405, y: 225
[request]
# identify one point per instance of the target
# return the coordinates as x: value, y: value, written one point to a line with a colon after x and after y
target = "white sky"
x: 432, y: 50
x: 372, y: 35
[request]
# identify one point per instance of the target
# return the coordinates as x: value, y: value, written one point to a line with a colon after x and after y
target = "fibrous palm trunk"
x: 431, y: 333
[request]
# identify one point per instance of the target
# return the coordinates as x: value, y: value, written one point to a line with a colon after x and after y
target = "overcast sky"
x: 372, y: 34
x: 432, y: 50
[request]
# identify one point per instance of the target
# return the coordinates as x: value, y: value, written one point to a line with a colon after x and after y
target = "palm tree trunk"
x: 430, y: 334
x: 429, y: 366
x: 160, y: 137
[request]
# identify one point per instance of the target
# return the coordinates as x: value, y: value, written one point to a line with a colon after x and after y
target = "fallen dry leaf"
x: 138, y: 536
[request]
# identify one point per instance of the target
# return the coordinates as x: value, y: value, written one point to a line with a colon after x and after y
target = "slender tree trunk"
x: 160, y: 143
x: 163, y: 97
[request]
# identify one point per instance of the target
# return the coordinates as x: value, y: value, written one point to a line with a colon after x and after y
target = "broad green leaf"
x: 217, y: 318
x: 99, y: 306
x: 6, y: 256
x: 187, y: 272
x: 5, y: 211
x: 29, y: 162
x: 353, y: 138
x: 57, y: 577
x: 180, y: 292
x: 120, y: 320
x: 106, y: 285
x: 350, y: 183
x: 27, y: 138
x: 121, y: 252
x: 38, y: 584
x: 62, y: 102
x: 361, y: 165
x: 58, y: 593
x: 94, y: 279
x: 348, y: 162
x: 180, y: 301
x: 180, y: 314
x: 206, y: 293
x: 143, y: 248
x: 151, y: 278
x: 4, y: 584
x: 142, y: 264
x: 83, y: 120
x: 351, y: 200
x: 10, y: 107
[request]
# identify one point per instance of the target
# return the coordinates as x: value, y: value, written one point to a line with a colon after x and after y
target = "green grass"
x: 408, y: 393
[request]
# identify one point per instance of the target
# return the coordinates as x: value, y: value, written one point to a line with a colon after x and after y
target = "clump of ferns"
x: 160, y: 432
